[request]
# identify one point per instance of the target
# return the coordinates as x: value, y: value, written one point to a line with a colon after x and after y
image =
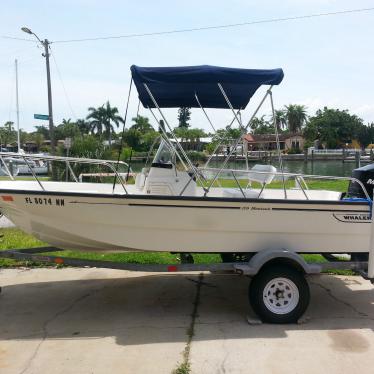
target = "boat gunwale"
x: 185, y: 198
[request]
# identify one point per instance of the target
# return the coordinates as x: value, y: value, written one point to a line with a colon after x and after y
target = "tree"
x: 103, y: 119
x: 66, y: 122
x: 132, y: 138
x: 89, y: 147
x: 194, y: 135
x: 66, y: 129
x: 296, y: 117
x: 191, y: 135
x: 148, y: 139
x: 38, y: 138
x: 334, y: 127
x: 96, y: 119
x: 161, y: 127
x: 141, y: 124
x: 22, y: 136
x: 43, y: 131
x: 83, y: 126
x: 7, y: 133
x: 181, y: 132
x: 366, y: 135
x: 261, y: 126
x: 184, y: 115
x: 226, y: 136
x: 280, y: 119
x: 9, y: 126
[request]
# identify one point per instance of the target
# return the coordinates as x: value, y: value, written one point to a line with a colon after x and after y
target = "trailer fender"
x: 273, y: 256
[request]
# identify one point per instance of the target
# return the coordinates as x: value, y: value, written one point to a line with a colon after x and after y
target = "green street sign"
x: 44, y: 117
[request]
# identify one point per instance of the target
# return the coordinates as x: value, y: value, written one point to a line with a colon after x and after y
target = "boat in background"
x: 38, y: 167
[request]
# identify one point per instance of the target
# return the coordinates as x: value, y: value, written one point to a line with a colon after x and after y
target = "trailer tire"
x: 279, y: 294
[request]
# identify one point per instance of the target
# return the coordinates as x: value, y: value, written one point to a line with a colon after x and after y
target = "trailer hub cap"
x: 281, y: 296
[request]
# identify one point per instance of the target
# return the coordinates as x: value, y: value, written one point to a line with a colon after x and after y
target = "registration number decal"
x: 45, y: 201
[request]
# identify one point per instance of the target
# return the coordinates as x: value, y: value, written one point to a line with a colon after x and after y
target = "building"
x: 267, y: 142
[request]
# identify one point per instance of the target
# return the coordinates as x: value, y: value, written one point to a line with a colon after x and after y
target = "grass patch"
x: 313, y: 258
x: 25, y: 178
x: 14, y: 238
x: 331, y: 185
x: 183, y: 368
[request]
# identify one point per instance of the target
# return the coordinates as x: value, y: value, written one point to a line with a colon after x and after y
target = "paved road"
x: 107, y: 321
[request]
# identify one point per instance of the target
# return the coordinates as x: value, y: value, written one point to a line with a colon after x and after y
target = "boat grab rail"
x: 67, y: 160
x: 297, y: 176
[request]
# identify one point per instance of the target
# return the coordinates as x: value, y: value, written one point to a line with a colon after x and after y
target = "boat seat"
x: 265, y: 177
x: 236, y: 193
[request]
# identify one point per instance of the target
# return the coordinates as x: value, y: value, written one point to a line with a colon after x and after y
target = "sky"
x: 327, y: 61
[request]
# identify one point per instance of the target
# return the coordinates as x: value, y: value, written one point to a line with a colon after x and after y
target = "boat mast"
x: 17, y: 107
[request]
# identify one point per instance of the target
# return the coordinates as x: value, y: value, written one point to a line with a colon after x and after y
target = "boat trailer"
x: 278, y: 276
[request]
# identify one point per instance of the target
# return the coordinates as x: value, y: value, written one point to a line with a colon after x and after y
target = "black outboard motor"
x: 365, y: 175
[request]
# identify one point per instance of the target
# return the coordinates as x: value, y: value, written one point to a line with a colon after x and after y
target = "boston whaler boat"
x: 188, y: 210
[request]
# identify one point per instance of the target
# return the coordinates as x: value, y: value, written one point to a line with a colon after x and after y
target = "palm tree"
x: 111, y: 117
x: 66, y: 121
x: 38, y: 139
x: 103, y: 118
x: 83, y: 126
x: 280, y: 119
x: 7, y: 133
x: 141, y: 124
x: 96, y: 118
x: 9, y: 126
x: 296, y: 117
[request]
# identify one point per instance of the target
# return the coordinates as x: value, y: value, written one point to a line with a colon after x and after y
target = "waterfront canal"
x: 330, y: 167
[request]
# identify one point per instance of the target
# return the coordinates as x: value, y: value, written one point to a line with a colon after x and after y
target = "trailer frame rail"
x: 241, y: 268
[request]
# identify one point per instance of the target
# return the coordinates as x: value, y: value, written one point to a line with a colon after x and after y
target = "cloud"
x: 365, y: 111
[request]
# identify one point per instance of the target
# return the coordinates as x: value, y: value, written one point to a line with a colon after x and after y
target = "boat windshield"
x: 165, y: 156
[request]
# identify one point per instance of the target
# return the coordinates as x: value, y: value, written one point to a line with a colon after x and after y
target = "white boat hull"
x: 96, y: 221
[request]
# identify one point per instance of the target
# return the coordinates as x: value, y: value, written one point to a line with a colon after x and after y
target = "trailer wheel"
x: 279, y: 294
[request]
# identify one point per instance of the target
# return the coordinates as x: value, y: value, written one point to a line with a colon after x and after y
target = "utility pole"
x: 50, y: 111
x: 17, y: 106
x: 46, y: 43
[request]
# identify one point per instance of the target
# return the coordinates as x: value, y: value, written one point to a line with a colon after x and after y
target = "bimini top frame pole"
x: 220, y: 140
x: 278, y: 145
x: 229, y: 104
x: 190, y: 164
x: 205, y: 113
x: 167, y: 140
x: 242, y: 132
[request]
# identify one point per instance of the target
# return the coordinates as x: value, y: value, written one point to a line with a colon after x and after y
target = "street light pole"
x: 50, y: 111
x: 45, y: 43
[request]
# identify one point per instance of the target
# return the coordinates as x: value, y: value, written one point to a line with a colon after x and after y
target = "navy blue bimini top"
x: 174, y: 87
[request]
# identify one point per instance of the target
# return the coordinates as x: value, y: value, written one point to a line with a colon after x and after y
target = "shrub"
x: 294, y: 151
x: 196, y: 156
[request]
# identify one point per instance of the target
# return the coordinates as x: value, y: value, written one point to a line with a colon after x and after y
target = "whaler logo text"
x: 356, y: 217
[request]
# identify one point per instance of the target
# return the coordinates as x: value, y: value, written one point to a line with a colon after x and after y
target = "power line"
x: 215, y: 27
x: 203, y: 28
x: 15, y: 38
x: 63, y: 86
